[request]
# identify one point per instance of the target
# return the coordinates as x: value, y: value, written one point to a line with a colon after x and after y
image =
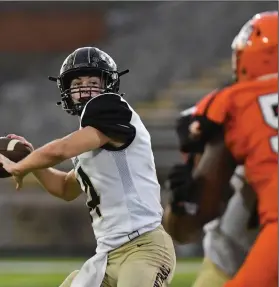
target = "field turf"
x: 51, y: 272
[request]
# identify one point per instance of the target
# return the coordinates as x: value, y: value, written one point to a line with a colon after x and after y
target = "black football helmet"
x: 86, y: 61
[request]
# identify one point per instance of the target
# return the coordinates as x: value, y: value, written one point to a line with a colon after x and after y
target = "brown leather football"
x: 14, y: 150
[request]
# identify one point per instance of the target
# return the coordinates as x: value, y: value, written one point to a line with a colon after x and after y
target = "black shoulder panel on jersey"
x: 186, y: 143
x: 111, y: 116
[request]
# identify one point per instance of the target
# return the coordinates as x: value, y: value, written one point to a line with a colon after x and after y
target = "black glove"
x: 181, y: 186
x: 178, y: 175
x: 180, y: 172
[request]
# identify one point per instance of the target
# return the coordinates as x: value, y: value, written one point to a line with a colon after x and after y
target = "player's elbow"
x: 71, y: 188
x: 177, y: 235
x: 65, y: 194
x: 68, y: 198
x: 183, y: 229
x: 70, y: 194
x: 183, y: 235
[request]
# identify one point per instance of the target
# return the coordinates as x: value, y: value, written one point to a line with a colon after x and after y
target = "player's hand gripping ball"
x: 15, y: 148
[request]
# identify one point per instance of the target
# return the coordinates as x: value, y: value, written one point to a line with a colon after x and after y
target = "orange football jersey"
x: 248, y: 112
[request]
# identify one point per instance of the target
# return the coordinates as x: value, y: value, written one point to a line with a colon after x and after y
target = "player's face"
x: 86, y: 86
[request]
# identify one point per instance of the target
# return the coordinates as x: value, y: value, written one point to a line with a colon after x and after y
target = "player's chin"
x: 95, y: 93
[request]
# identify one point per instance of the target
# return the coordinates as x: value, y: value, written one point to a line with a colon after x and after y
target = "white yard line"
x: 51, y: 267
x: 41, y: 267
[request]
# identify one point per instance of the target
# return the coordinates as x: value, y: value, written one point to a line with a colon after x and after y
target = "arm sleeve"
x: 186, y: 143
x: 110, y: 115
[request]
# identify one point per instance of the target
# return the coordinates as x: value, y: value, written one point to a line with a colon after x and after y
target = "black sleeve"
x: 111, y: 116
x: 186, y: 143
x: 209, y: 129
x: 189, y: 144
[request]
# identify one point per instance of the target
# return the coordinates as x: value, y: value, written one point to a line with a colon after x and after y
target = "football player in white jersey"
x: 228, y: 238
x: 114, y: 165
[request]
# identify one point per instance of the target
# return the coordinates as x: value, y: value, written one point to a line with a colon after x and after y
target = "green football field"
x: 51, y: 273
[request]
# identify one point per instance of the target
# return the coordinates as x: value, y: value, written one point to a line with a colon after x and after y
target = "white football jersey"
x: 227, y: 239
x: 123, y: 193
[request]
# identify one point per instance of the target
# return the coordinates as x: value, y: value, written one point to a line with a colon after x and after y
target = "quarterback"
x: 114, y: 165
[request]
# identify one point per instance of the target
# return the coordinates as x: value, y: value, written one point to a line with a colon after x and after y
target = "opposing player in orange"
x: 240, y: 126
x: 248, y: 111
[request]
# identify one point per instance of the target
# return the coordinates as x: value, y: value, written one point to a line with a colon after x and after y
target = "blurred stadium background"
x: 176, y: 53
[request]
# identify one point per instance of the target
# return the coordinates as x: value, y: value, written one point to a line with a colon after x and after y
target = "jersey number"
x: 94, y: 198
x: 269, y: 108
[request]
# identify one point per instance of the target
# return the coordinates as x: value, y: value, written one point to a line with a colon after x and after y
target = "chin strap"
x: 53, y: 79
x: 123, y: 73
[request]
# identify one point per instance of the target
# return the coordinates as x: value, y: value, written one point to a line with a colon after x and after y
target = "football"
x: 14, y: 150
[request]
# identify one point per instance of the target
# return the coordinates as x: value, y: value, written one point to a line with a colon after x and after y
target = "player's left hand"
x: 179, y: 172
x: 180, y: 179
x: 11, y: 167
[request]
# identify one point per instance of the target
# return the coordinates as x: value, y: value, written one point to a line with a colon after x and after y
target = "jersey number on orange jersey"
x: 269, y: 108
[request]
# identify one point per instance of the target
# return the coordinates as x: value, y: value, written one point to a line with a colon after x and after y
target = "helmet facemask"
x: 73, y: 97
